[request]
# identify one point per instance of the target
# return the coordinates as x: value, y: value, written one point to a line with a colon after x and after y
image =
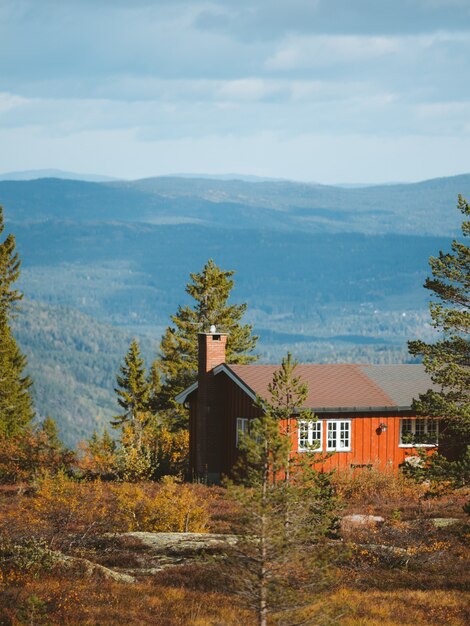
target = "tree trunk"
x: 263, y: 588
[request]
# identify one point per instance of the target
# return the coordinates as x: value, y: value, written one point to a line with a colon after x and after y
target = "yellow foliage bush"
x: 63, y: 512
x: 174, y: 451
x: 174, y: 507
x: 60, y: 508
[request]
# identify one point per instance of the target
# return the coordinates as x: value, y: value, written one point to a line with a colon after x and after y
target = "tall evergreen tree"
x: 288, y: 510
x: 210, y: 290
x: 9, y: 272
x: 448, y: 360
x: 133, y: 395
x: 288, y: 395
x: 133, y: 391
x: 16, y: 410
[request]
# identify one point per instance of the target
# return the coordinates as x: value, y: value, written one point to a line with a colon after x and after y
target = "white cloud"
x: 329, y: 50
x: 248, y: 89
x: 320, y: 50
x: 9, y: 101
x: 287, y: 75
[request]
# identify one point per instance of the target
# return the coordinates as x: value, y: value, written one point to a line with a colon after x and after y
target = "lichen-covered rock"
x: 145, y: 553
x: 182, y: 543
x: 89, y: 569
x: 443, y: 522
x: 357, y: 520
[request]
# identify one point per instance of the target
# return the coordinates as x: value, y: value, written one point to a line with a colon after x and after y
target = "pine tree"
x: 16, y: 410
x: 448, y: 360
x: 9, y: 272
x: 133, y: 391
x: 137, y: 455
x: 288, y: 394
x: 210, y: 290
x: 275, y: 565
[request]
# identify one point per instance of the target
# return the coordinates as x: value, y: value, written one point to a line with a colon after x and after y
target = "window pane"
x: 242, y: 429
x: 316, y: 434
x: 309, y: 435
x: 420, y: 427
x: 406, y: 431
x: 331, y: 435
x: 303, y: 435
x: 344, y: 435
x: 418, y: 432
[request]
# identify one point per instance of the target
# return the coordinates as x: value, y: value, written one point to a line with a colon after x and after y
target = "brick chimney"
x: 211, y: 352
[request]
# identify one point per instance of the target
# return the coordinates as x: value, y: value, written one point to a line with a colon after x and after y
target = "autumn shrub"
x: 173, y: 507
x: 97, y: 457
x: 64, y: 600
x: 376, y: 485
x: 30, y: 556
x: 224, y: 513
x: 62, y: 512
x: 32, y: 453
x: 173, y: 452
x: 207, y: 576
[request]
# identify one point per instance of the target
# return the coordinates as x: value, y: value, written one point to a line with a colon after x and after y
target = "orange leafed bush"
x: 97, y: 456
x: 64, y: 512
x: 30, y: 454
x: 174, y: 451
x: 174, y: 507
x: 61, y: 508
x: 375, y: 483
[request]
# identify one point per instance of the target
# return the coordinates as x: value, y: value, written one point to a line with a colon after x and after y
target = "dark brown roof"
x: 345, y: 386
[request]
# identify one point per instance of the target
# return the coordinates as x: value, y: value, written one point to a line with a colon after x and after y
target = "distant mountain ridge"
x: 425, y: 208
x: 54, y: 173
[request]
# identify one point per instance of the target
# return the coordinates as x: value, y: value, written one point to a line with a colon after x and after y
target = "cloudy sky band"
x: 172, y: 81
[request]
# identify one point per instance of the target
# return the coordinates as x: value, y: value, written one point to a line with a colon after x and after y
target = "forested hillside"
x: 73, y: 360
x: 332, y: 274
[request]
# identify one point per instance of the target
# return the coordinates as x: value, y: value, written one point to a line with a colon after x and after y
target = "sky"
x: 329, y: 91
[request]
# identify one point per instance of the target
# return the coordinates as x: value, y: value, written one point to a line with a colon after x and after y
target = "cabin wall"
x: 233, y: 402
x: 369, y: 446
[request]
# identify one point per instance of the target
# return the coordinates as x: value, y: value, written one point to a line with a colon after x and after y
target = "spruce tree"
x: 448, y: 360
x: 288, y: 394
x: 133, y: 391
x: 210, y: 290
x: 136, y: 458
x: 288, y: 512
x: 16, y: 410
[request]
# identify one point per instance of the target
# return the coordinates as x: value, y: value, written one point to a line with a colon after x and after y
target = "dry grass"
x: 389, y: 493
x: 68, y: 602
x: 58, y: 600
x: 399, y: 608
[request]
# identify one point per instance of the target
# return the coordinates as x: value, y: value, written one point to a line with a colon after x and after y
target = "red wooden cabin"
x: 364, y: 411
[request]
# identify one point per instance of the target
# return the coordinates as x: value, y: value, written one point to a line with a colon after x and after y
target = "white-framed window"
x: 338, y: 435
x: 419, y: 432
x: 242, y: 429
x: 310, y: 435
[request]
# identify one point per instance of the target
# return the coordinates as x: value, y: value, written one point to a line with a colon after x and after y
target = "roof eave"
x: 181, y: 397
x: 360, y: 409
x: 236, y: 379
